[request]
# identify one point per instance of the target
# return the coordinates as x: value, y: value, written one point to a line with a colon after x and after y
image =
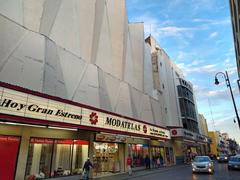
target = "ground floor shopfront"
x: 188, y: 144
x: 46, y: 137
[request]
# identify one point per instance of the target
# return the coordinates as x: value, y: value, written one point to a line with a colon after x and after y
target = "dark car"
x: 222, y: 158
x: 234, y: 162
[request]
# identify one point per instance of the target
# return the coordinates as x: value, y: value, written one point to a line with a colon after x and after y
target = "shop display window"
x: 55, y: 157
x: 138, y: 152
x: 106, y: 158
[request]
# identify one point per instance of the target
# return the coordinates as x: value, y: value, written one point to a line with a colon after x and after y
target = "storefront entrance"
x: 55, y: 157
x: 138, y: 152
x: 107, y: 158
x: 9, y: 146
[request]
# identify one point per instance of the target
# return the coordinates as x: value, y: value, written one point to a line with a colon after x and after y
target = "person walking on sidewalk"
x: 147, y: 162
x: 86, y: 168
x: 129, y: 165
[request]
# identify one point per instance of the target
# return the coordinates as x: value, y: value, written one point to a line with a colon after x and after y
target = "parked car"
x: 234, y: 162
x: 202, y: 164
x: 222, y: 158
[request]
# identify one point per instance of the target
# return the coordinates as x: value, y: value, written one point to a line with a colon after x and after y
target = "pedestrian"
x: 147, y: 162
x: 158, y: 162
x: 129, y: 165
x: 86, y: 168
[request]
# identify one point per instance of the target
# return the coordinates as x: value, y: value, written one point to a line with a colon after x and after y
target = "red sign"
x: 174, y: 132
x: 93, y: 118
x: 144, y: 128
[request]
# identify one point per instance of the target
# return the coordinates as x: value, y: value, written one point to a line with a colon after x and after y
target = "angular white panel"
x: 108, y: 86
x: 88, y: 89
x: 136, y: 32
x: 147, y: 114
x: 104, y: 52
x: 129, y: 71
x: 11, y: 35
x: 29, y: 57
x: 99, y: 11
x: 72, y: 68
x: 116, y: 17
x: 148, y: 76
x: 123, y: 105
x: 32, y: 13
x: 136, y: 99
x: 157, y: 112
x: 86, y: 27
x: 53, y: 82
x: 13, y: 9
x: 49, y: 13
x: 65, y: 30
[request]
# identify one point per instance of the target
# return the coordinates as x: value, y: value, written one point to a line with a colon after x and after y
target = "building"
x: 203, y: 127
x: 235, y: 16
x: 76, y: 81
x: 215, y: 142
x: 179, y: 105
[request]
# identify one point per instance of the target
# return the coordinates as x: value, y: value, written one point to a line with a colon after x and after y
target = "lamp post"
x: 230, y: 88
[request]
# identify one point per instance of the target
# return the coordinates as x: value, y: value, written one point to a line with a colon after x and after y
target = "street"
x: 182, y: 173
x: 185, y: 173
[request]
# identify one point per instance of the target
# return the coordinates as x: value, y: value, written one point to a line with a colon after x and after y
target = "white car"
x: 202, y: 164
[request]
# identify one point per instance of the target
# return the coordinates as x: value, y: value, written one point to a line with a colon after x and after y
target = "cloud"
x: 195, y: 68
x: 213, y: 35
x: 224, y: 21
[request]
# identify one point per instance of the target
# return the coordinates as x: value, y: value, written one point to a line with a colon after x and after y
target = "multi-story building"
x: 179, y: 104
x: 235, y: 16
x: 76, y: 81
x: 203, y: 127
x: 215, y: 142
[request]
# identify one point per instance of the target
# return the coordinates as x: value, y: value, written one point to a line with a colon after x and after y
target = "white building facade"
x: 77, y: 81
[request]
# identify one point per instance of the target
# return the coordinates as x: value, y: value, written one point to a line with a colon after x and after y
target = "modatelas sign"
x: 26, y: 105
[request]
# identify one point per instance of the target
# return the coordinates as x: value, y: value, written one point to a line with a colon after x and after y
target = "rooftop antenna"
x: 210, y: 107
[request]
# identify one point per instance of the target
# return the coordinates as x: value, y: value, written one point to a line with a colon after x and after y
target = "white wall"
x: 81, y: 50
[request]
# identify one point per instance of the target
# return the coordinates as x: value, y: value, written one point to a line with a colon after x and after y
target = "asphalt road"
x: 185, y: 173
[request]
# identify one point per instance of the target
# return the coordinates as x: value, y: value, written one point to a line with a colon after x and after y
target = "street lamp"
x: 230, y: 88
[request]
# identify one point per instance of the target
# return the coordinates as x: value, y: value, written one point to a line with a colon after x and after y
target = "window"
x: 55, y: 157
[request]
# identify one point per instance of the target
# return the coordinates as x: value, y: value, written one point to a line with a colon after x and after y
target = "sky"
x: 197, y: 36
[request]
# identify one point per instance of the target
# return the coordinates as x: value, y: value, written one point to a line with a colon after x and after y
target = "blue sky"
x: 197, y: 35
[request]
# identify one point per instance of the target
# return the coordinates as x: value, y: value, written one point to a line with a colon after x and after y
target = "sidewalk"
x: 139, y: 173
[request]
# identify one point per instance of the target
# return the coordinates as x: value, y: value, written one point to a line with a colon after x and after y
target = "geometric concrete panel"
x: 24, y: 66
x: 136, y: 99
x: 104, y: 98
x: 48, y: 15
x: 123, y: 105
x: 148, y: 76
x: 129, y: 71
x: 13, y: 9
x: 136, y: 32
x: 86, y: 19
x: 73, y: 68
x: 87, y: 91
x: 157, y: 112
x: 32, y: 14
x: 11, y: 36
x: 146, y: 112
x: 53, y: 82
x: 108, y: 86
x: 104, y: 52
x: 117, y: 25
x: 65, y: 29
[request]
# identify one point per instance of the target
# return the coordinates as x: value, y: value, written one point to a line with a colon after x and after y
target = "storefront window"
x: 106, y: 158
x: 55, y: 157
x: 138, y: 152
